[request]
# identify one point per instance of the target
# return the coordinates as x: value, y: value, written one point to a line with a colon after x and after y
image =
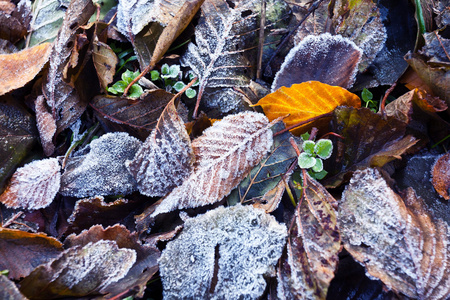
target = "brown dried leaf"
x: 313, y: 247
x: 146, y: 256
x: 166, y: 157
x: 79, y: 271
x: 19, y: 68
x: 138, y: 118
x: 34, y: 185
x: 21, y: 252
x: 105, y: 61
x: 46, y: 125
x: 14, y: 20
x: 9, y: 290
x: 225, y: 153
x: 400, y: 244
x: 441, y: 173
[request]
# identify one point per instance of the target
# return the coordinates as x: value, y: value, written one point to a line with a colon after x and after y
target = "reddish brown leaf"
x: 34, y: 185
x: 14, y: 20
x: 21, y: 252
x: 441, y: 176
x: 46, y: 125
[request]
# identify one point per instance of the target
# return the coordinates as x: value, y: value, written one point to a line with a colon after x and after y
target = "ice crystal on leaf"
x: 102, y: 171
x: 224, y: 154
x: 222, y: 254
x: 34, y: 185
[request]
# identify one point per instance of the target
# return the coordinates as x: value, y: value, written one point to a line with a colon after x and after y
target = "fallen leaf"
x: 369, y: 141
x: 14, y: 20
x: 326, y: 58
x: 19, y: 68
x: 21, y: 251
x: 34, y: 185
x: 222, y: 254
x: 441, y: 173
x: 225, y: 153
x: 400, y: 244
x: 166, y: 157
x: 140, y: 273
x: 79, y: 271
x: 305, y: 101
x: 315, y: 23
x: 46, y: 125
x: 105, y: 61
x: 138, y: 118
x: 102, y: 171
x: 17, y: 136
x: 9, y: 290
x: 313, y: 246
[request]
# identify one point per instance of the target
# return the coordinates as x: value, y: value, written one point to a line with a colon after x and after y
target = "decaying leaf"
x: 222, y: 254
x: 398, y: 242
x: 166, y: 157
x: 329, y: 59
x: 224, y: 154
x: 142, y: 270
x: 46, y: 125
x: 34, y: 185
x: 14, y: 20
x: 369, y: 141
x: 17, y: 136
x: 105, y: 61
x: 102, y: 171
x: 305, y: 101
x: 21, y: 252
x: 441, y: 173
x: 79, y: 271
x: 313, y: 247
x: 19, y: 68
x: 138, y: 118
x: 9, y: 290
x: 315, y: 24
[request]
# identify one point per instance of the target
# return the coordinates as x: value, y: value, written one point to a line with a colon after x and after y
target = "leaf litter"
x: 212, y: 193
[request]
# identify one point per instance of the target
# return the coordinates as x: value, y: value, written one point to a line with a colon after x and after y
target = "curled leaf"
x: 441, y: 176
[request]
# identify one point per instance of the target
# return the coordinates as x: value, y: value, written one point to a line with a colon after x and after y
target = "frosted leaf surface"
x: 398, y: 241
x: 166, y: 157
x: 326, y: 58
x: 80, y: 271
x: 222, y: 254
x: 225, y: 153
x: 46, y: 125
x: 34, y: 185
x: 102, y: 171
x: 133, y: 16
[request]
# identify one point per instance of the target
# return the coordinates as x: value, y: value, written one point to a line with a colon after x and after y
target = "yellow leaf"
x: 305, y: 101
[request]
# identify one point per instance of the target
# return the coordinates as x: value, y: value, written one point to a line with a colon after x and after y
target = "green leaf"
x: 318, y: 167
x: 305, y: 136
x: 319, y: 175
x: 112, y: 90
x: 127, y: 76
x: 366, y: 95
x: 192, y: 76
x: 154, y: 75
x: 323, y: 148
x: 305, y: 161
x: 190, y: 93
x: 165, y: 69
x: 135, y: 91
x: 178, y: 86
x: 174, y: 71
x: 308, y: 147
x: 120, y: 86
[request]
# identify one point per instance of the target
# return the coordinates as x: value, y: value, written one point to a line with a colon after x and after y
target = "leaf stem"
x: 303, y: 123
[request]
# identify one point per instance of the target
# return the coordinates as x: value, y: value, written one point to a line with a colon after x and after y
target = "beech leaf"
x: 398, y: 242
x: 222, y: 254
x: 305, y: 101
x: 441, y: 173
x: 79, y: 271
x: 34, y: 185
x: 166, y: 157
x: 225, y: 153
x: 105, y: 61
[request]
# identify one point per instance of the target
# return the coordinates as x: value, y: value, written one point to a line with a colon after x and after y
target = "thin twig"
x: 303, y: 123
x: 12, y: 220
x: 442, y: 45
x: 262, y: 25
x: 383, y: 102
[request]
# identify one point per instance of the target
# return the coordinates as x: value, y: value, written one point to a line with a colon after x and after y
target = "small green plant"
x: 4, y: 272
x: 170, y: 76
x: 124, y: 56
x: 367, y: 97
x: 313, y: 155
x: 120, y: 86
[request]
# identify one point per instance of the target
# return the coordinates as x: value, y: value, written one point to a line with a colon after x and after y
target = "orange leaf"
x: 305, y: 101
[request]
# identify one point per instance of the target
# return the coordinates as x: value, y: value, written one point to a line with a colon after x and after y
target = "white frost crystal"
x: 222, y: 254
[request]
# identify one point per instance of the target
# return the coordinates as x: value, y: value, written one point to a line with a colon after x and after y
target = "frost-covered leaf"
x: 102, y: 171
x: 166, y: 157
x: 315, y: 23
x: 308, y: 147
x: 441, y: 176
x: 21, y: 252
x: 19, y: 68
x: 224, y: 154
x: 397, y: 241
x: 9, y: 290
x: 17, y: 136
x: 323, y: 148
x: 313, y: 247
x: 79, y: 271
x: 142, y: 270
x: 265, y: 180
x: 138, y: 118
x: 34, y: 185
x: 46, y: 125
x: 222, y: 254
x: 305, y: 161
x: 47, y: 18
x: 14, y: 20
x: 326, y: 58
